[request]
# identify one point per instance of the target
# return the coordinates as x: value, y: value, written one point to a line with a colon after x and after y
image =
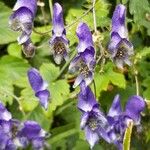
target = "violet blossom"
x: 93, y: 121
x: 59, y: 42
x: 119, y: 119
x: 31, y: 133
x: 120, y: 47
x: 39, y: 86
x: 84, y: 62
x: 22, y: 20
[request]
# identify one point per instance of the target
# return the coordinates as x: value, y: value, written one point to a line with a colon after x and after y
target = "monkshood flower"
x: 59, y: 43
x: 31, y: 133
x: 39, y: 86
x: 119, y: 120
x: 6, y: 129
x: 120, y: 47
x: 22, y: 20
x: 84, y: 62
x: 93, y: 120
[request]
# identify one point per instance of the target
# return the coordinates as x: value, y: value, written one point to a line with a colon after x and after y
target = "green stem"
x: 51, y: 7
x: 15, y: 97
x: 94, y: 16
x: 66, y: 65
x: 94, y: 87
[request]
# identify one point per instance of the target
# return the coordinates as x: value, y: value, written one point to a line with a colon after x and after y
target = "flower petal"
x: 115, y: 109
x: 118, y: 21
x: 85, y: 37
x: 84, y: 119
x: 78, y: 80
x: 30, y: 4
x: 4, y: 114
x: 58, y: 22
x: 43, y: 97
x: 36, y: 80
x: 134, y: 107
x: 91, y: 137
x: 86, y: 99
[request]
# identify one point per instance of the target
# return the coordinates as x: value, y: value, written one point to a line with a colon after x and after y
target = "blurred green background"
x: 62, y: 119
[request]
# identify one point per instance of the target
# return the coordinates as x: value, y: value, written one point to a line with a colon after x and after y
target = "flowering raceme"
x: 39, y: 86
x: 119, y: 120
x: 22, y: 20
x: 14, y: 134
x: 84, y: 62
x: 93, y: 121
x: 59, y: 42
x: 120, y: 47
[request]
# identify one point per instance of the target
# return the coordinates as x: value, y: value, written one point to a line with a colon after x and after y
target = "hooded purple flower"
x: 22, y: 20
x: 7, y: 134
x: 84, y: 62
x: 39, y: 86
x: 59, y: 42
x: 120, y: 47
x: 31, y: 132
x: 118, y: 120
x: 93, y: 120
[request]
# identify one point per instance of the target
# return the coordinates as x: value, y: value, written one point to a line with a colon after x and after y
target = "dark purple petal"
x: 134, y: 107
x: 86, y: 99
x: 30, y: 4
x: 115, y: 109
x: 58, y: 22
x: 4, y: 114
x: 36, y: 81
x: 43, y: 97
x: 118, y: 21
x: 91, y: 137
x: 85, y: 37
x: 31, y: 130
x: 3, y: 140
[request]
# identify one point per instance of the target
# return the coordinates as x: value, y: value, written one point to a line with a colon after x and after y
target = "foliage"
x: 62, y: 118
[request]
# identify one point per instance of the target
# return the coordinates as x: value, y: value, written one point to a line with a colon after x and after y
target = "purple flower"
x: 39, y: 86
x: 22, y: 20
x: 118, y: 120
x: 120, y: 47
x: 59, y: 42
x: 84, y: 62
x: 31, y: 132
x: 93, y: 120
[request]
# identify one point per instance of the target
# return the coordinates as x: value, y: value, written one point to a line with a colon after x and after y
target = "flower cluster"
x: 111, y: 127
x: 39, y: 86
x: 14, y: 134
x: 84, y: 62
x: 22, y: 20
x: 120, y: 47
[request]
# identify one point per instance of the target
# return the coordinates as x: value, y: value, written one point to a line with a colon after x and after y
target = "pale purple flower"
x: 39, y: 86
x: 31, y: 133
x: 93, y: 120
x: 59, y: 43
x: 119, y: 119
x: 120, y: 47
x: 84, y: 62
x: 22, y: 20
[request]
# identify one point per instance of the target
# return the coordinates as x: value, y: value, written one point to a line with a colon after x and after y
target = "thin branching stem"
x: 94, y: 16
x: 51, y: 7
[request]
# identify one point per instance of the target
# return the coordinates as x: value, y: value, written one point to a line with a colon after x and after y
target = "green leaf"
x: 139, y: 9
x: 127, y: 136
x: 62, y: 132
x: 102, y: 80
x: 12, y: 69
x: 6, y: 34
